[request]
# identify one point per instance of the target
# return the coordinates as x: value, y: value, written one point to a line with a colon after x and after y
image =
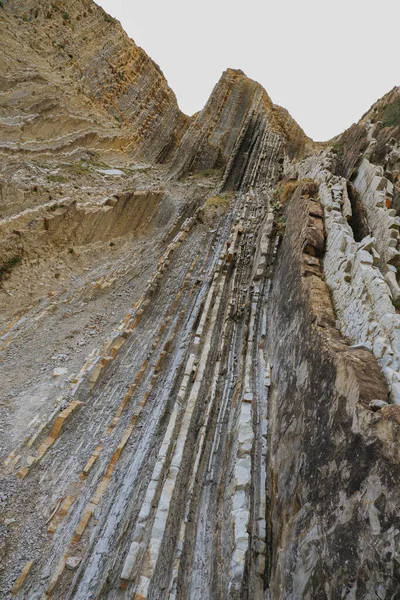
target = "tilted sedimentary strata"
x: 199, y: 332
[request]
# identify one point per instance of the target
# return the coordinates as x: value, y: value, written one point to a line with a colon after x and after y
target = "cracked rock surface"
x: 199, y: 332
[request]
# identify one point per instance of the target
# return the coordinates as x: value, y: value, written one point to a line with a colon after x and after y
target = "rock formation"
x: 199, y: 332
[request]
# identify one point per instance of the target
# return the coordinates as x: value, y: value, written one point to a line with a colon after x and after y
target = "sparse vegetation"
x: 286, y: 191
x: 57, y: 178
x: 390, y: 115
x: 111, y: 244
x: 81, y: 168
x: 1, y: 4
x: 337, y: 148
x: 279, y: 219
x: 220, y: 201
x: 71, y: 250
x: 282, y: 195
x: 6, y: 267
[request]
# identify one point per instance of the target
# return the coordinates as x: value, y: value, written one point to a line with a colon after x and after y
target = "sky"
x: 325, y: 61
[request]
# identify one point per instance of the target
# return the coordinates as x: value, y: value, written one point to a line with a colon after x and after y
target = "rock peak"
x: 199, y: 331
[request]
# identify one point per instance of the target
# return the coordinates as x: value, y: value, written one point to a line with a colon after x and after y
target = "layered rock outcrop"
x: 333, y: 463
x: 235, y: 133
x: 199, y: 332
x: 83, y: 79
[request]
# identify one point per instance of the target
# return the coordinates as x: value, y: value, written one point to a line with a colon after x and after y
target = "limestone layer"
x: 82, y: 75
x: 199, y: 332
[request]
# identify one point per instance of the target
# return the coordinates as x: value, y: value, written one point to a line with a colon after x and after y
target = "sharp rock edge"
x: 199, y: 331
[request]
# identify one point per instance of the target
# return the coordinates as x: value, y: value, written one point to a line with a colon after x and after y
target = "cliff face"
x: 238, y: 126
x: 71, y: 57
x: 200, y: 353
x: 333, y: 463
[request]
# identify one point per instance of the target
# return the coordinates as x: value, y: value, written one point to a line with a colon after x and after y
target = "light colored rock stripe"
x: 361, y: 296
x: 21, y: 578
x: 156, y: 478
x: 250, y: 410
x: 164, y: 453
x: 376, y: 193
x: 162, y: 513
x: 43, y: 448
x: 243, y: 465
x: 201, y: 440
x: 100, y: 490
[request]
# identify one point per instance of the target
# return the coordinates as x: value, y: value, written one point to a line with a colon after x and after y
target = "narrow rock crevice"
x: 358, y: 221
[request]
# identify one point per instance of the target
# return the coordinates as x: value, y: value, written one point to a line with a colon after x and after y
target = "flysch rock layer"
x: 333, y: 463
x: 199, y: 332
x: 232, y: 131
x: 84, y: 83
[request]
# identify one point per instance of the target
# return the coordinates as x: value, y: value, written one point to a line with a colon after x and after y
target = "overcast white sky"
x: 325, y: 61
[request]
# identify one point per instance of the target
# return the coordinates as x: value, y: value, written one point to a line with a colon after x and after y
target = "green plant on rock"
x: 219, y: 201
x: 287, y: 191
x: 57, y: 178
x: 337, y: 148
x: 281, y: 196
x: 284, y: 191
x: 276, y: 207
x: 390, y: 115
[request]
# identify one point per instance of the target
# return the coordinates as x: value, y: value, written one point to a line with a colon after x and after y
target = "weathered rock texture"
x: 333, y: 464
x: 199, y: 332
x: 235, y: 130
x: 84, y: 83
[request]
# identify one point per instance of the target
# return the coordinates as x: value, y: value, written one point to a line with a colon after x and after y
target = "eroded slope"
x: 200, y: 360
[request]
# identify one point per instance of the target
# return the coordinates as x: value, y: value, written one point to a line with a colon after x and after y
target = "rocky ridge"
x: 199, y: 331
x: 85, y: 83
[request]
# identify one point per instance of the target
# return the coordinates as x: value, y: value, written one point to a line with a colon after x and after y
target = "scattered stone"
x: 73, y: 562
x: 60, y: 371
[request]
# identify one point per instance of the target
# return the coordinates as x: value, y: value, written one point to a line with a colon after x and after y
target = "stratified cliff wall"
x: 333, y: 464
x: 199, y: 332
x: 235, y: 132
x: 77, y: 47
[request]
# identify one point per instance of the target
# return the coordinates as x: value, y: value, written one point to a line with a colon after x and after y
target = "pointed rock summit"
x: 199, y: 331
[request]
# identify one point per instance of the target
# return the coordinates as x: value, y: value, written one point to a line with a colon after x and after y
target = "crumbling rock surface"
x: 333, y: 466
x: 231, y: 130
x: 84, y: 81
x: 199, y: 332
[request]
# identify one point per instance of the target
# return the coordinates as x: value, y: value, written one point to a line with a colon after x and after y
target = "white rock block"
x: 59, y: 371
